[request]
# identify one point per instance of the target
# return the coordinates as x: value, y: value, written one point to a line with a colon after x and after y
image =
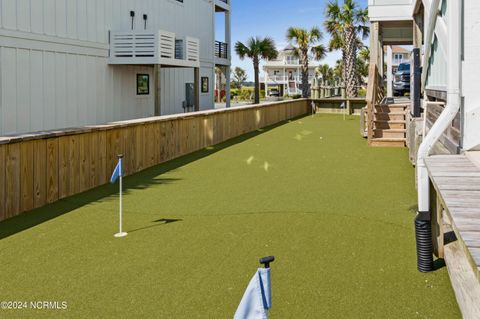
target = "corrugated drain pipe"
x: 423, y: 228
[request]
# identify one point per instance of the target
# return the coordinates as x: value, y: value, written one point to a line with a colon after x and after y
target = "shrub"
x: 362, y: 92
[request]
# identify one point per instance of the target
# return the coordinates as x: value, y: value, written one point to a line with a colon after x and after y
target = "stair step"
x: 391, y: 121
x: 388, y: 108
x: 388, y: 142
x: 395, y: 104
x: 393, y: 116
x: 393, y: 113
x: 390, y: 133
x: 396, y: 130
x: 388, y: 124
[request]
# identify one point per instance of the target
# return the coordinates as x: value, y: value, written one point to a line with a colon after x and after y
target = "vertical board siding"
x: 12, y: 180
x: 53, y: 170
x: 45, y: 86
x: 44, y: 169
x: 3, y: 186
x: 40, y: 173
x: 63, y: 152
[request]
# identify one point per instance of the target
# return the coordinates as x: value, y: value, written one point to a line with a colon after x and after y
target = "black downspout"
x: 423, y: 236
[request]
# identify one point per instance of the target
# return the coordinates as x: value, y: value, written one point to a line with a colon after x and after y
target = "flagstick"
x: 121, y: 234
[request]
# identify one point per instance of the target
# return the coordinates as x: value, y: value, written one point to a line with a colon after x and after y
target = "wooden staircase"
x: 386, y: 122
x: 389, y: 125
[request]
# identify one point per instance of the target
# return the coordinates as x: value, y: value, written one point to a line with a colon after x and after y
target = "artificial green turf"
x: 337, y: 215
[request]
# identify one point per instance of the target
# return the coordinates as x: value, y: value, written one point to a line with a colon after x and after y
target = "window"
x: 205, y: 87
x: 400, y: 58
x: 292, y: 60
x: 143, y: 84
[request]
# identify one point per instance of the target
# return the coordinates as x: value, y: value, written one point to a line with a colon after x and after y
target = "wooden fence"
x: 41, y: 168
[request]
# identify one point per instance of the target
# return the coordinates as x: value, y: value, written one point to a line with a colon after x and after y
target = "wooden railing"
x: 41, y: 168
x: 374, y: 97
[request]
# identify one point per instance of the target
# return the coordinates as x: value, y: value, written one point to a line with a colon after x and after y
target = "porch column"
x: 375, y: 44
x: 389, y: 71
x: 228, y: 40
x: 417, y: 32
x: 381, y: 58
x: 196, y: 84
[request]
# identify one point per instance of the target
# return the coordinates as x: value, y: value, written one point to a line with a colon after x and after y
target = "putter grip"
x: 267, y: 260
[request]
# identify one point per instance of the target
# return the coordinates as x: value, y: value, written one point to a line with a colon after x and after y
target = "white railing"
x: 187, y: 49
x: 284, y: 78
x: 292, y: 61
x: 153, y: 47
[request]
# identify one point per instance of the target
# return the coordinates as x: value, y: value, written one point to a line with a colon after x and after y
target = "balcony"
x: 221, y: 53
x: 222, y: 5
x: 221, y: 50
x: 153, y: 47
x: 395, y: 10
x: 283, y: 79
x: 292, y: 61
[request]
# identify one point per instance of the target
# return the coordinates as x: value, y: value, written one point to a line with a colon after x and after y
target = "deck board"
x: 457, y: 180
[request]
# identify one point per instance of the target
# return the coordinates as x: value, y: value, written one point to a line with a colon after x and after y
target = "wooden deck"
x: 456, y: 180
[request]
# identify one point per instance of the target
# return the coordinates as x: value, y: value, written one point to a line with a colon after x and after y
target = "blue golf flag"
x: 257, y: 299
x: 117, y: 172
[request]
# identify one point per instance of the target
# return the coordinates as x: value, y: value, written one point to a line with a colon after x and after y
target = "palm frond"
x: 315, y: 34
x: 267, y: 48
x: 242, y: 50
x: 336, y: 42
x: 319, y: 52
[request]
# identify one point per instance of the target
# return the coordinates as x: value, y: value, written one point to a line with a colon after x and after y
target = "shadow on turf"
x: 439, y: 264
x: 160, y: 222
x: 141, y: 180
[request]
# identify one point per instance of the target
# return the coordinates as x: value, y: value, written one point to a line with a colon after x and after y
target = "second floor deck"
x: 283, y: 79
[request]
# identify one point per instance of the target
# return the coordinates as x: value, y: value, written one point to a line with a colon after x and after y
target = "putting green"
x: 337, y: 215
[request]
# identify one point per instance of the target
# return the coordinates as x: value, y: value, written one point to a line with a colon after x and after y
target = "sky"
x: 272, y: 18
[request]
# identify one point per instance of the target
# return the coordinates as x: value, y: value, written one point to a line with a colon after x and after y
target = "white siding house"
x: 57, y: 71
x: 283, y: 75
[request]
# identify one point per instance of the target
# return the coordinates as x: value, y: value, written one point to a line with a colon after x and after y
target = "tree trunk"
x: 344, y: 69
x: 351, y: 65
x: 305, y: 85
x: 256, y: 70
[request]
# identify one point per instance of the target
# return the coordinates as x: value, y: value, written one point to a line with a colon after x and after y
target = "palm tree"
x: 347, y: 23
x: 257, y: 49
x: 364, y: 54
x: 363, y: 63
x: 326, y: 72
x: 338, y: 69
x: 336, y: 43
x: 306, y: 44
